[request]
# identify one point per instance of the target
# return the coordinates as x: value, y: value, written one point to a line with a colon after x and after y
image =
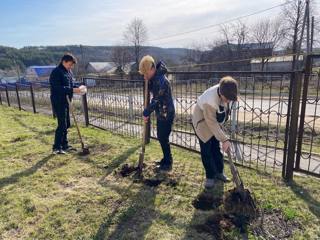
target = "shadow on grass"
x: 303, y: 193
x: 133, y: 214
x: 27, y: 172
x: 198, y: 219
x: 117, y: 161
x: 33, y: 129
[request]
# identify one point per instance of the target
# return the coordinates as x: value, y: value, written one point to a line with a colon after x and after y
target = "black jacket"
x: 61, y: 85
x: 162, y: 101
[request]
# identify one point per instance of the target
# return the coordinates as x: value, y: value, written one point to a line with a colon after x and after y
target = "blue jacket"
x: 162, y: 101
x: 61, y: 85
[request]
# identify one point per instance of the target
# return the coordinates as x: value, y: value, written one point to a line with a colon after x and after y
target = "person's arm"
x: 210, y: 118
x: 56, y: 86
x: 150, y: 108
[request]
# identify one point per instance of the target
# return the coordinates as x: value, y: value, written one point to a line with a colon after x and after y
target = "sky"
x: 102, y: 22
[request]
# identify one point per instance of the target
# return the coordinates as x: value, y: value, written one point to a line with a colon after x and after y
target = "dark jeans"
x: 63, y: 117
x: 164, y: 128
x: 212, y: 157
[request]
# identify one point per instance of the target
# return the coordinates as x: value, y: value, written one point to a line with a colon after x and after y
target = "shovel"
x: 143, y: 147
x: 85, y: 151
x: 244, y: 196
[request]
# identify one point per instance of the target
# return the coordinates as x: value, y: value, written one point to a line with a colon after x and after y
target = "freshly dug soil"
x: 127, y: 170
x: 240, y: 204
x: 206, y: 201
x: 272, y: 224
x: 152, y: 182
x: 216, y: 225
x: 172, y: 183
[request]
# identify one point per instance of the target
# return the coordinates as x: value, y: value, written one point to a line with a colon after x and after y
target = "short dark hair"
x: 229, y: 88
x: 68, y: 57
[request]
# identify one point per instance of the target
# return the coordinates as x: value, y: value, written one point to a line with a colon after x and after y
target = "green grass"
x: 72, y: 197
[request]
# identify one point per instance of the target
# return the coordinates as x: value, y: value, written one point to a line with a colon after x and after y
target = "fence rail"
x: 271, y: 126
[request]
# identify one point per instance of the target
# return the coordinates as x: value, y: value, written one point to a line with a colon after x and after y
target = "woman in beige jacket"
x: 210, y: 112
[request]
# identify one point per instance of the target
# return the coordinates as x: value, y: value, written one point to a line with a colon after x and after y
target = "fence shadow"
x: 25, y: 173
x: 304, y: 194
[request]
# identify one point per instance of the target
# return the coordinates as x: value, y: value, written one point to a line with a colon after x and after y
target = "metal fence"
x: 258, y: 121
x: 271, y: 126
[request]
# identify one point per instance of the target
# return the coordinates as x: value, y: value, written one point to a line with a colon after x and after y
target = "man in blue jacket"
x: 161, y: 103
x: 61, y: 87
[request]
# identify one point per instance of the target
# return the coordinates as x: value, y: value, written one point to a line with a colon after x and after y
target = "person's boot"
x: 209, y: 183
x: 62, y: 152
x: 165, y: 167
x: 222, y: 177
x: 160, y: 162
x: 55, y: 151
x: 69, y: 148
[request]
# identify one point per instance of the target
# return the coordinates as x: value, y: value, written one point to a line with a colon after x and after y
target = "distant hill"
x: 47, y: 55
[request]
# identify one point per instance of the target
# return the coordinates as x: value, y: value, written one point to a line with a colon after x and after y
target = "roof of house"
x: 102, y: 66
x: 42, y: 71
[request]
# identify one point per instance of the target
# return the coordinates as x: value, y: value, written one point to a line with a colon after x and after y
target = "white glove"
x: 83, y: 90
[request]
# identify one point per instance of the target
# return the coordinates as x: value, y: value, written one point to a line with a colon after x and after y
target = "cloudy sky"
x: 102, y: 22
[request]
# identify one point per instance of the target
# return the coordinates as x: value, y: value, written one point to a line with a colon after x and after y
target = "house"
x: 39, y: 73
x: 8, y: 80
x: 109, y: 68
x: 101, y: 67
x: 273, y: 64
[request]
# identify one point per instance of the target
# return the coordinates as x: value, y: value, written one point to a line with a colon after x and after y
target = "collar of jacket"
x: 62, y: 67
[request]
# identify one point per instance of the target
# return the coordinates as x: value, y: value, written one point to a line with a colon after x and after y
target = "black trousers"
x: 63, y: 118
x: 212, y: 158
x: 164, y: 128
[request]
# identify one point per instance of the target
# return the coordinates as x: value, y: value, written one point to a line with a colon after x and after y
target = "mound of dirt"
x: 216, y: 225
x: 152, y: 182
x: 206, y: 201
x: 241, y: 204
x: 127, y: 170
x: 272, y: 224
x: 172, y: 183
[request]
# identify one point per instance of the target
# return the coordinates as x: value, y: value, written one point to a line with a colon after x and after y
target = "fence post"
x: 85, y: 109
x: 148, y: 128
x: 307, y: 75
x: 7, y: 95
x: 0, y: 97
x: 85, y: 106
x: 288, y: 164
x: 32, y: 99
x: 18, y: 97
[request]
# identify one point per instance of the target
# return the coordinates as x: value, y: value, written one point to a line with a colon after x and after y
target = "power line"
x: 219, y: 24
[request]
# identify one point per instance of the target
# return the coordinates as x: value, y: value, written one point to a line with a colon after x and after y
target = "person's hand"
x: 145, y: 119
x: 226, y: 146
x: 77, y: 90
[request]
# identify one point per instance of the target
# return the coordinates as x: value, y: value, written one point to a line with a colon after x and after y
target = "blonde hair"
x: 146, y: 63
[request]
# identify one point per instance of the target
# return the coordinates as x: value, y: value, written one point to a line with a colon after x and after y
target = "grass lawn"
x: 75, y: 197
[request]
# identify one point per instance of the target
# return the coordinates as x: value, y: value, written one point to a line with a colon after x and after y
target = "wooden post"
x: 288, y: 165
x: 7, y: 95
x: 32, y: 99
x: 18, y: 97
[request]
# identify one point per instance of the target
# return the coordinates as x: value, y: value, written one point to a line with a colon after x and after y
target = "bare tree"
x: 268, y: 33
x: 234, y: 36
x: 121, y: 56
x: 294, y: 13
x: 136, y: 35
